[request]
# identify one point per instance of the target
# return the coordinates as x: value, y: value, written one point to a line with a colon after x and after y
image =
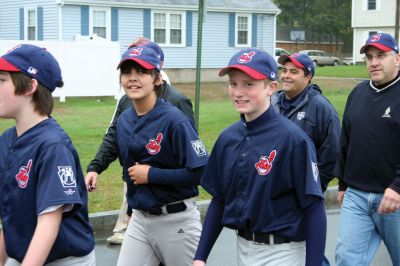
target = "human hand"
x: 340, y: 197
x: 390, y: 202
x: 198, y: 263
x: 90, y: 181
x: 139, y: 173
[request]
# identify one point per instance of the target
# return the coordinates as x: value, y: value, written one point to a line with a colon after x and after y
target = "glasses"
x: 379, y: 56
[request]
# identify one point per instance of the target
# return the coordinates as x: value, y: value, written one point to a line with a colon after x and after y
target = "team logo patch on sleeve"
x: 23, y: 174
x: 264, y: 165
x: 67, y: 177
x: 315, y: 171
x: 198, y: 147
x: 154, y: 145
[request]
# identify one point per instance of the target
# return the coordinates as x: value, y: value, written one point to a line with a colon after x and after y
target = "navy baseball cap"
x: 34, y: 62
x: 144, y: 55
x: 301, y: 60
x: 142, y: 41
x: 383, y: 41
x: 256, y: 63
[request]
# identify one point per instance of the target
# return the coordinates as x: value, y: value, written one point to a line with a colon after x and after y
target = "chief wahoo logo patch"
x: 154, y: 145
x: 264, y: 165
x: 23, y: 175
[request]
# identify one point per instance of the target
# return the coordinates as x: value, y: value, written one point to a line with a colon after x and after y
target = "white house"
x: 369, y: 17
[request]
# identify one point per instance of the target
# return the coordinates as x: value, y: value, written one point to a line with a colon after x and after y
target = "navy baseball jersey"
x: 263, y: 171
x: 163, y: 138
x: 40, y: 169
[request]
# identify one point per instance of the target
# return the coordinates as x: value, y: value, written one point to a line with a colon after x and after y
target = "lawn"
x: 86, y: 119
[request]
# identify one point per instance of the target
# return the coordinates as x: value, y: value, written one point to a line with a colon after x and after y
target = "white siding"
x: 71, y: 22
x: 384, y: 17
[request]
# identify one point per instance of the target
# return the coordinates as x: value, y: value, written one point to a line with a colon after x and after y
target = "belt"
x: 167, y: 209
x: 264, y: 238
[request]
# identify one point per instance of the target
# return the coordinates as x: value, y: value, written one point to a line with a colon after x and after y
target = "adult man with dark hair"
x: 369, y: 166
x: 303, y: 103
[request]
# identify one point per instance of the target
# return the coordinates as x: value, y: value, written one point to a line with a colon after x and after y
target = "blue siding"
x: 266, y: 33
x: 21, y: 24
x: 84, y: 20
x: 147, y: 23
x: 40, y: 23
x: 12, y: 18
x: 189, y: 30
x: 130, y: 26
x: 254, y: 26
x: 231, y: 29
x: 71, y: 25
x: 114, y: 24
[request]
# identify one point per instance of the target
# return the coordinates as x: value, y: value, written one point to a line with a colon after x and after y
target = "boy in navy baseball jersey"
x: 163, y: 160
x: 263, y: 176
x: 43, y: 200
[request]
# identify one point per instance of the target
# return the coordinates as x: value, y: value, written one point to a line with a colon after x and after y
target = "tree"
x: 318, y: 18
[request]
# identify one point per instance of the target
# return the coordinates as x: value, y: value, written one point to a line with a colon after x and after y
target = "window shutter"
x: 114, y: 24
x: 21, y: 24
x: 254, y: 30
x: 40, y: 23
x: 84, y: 20
x: 232, y: 29
x: 189, y: 26
x: 147, y: 23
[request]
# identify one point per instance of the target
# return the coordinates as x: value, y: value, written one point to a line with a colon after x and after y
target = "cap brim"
x: 141, y: 62
x: 284, y: 58
x: 377, y: 45
x: 7, y: 66
x: 248, y: 70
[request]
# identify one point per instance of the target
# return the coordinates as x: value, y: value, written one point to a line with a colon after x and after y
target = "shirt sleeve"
x: 57, y: 178
x: 303, y: 164
x: 187, y: 147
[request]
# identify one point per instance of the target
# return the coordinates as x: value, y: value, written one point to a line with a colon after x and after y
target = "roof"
x: 260, y: 6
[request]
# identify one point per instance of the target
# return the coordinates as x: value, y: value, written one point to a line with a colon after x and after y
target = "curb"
x: 105, y: 221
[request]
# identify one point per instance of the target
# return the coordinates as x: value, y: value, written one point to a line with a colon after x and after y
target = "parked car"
x: 278, y: 53
x: 321, y: 58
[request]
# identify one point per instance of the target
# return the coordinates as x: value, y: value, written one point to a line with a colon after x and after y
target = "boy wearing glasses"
x: 369, y: 165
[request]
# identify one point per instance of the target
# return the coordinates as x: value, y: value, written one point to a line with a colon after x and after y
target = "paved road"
x: 224, y: 251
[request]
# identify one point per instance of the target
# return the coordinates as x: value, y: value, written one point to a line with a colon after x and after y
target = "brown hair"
x: 42, y: 99
x: 128, y: 65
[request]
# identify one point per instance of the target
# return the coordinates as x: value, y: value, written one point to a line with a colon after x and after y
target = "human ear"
x: 33, y: 85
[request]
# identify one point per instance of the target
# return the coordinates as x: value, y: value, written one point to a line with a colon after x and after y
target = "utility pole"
x: 396, y: 28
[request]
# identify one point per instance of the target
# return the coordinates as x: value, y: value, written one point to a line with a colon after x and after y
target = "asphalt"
x: 224, y: 250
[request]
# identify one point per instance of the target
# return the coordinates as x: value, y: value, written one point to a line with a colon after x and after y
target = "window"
x: 100, y: 22
x: 168, y: 28
x: 31, y: 24
x: 370, y: 33
x: 371, y: 5
x: 243, y: 30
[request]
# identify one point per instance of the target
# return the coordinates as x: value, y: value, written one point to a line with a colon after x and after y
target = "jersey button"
x: 247, y: 138
x: 244, y: 154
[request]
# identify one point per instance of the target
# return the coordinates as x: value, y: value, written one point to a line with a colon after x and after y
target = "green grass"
x: 86, y: 119
x: 354, y: 71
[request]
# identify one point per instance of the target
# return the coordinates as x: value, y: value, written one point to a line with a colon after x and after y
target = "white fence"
x: 89, y: 66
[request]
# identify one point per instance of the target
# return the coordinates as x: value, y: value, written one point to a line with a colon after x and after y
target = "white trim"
x: 249, y: 29
x: 108, y: 20
x: 168, y: 27
x: 26, y: 11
